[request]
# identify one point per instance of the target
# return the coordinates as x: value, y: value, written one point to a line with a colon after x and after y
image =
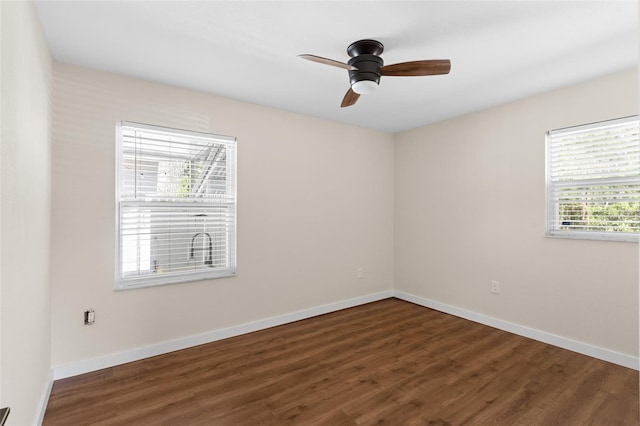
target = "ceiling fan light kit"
x: 364, y: 87
x: 366, y: 67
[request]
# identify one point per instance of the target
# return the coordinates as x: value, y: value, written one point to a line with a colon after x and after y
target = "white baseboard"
x: 532, y: 333
x: 94, y: 364
x: 44, y: 399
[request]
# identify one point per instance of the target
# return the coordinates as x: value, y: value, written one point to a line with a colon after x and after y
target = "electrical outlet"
x: 495, y: 287
x: 89, y: 317
x: 360, y: 273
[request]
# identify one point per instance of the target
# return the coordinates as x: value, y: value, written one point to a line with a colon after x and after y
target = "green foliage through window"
x: 593, y: 180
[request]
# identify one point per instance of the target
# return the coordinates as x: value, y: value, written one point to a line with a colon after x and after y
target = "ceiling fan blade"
x: 417, y: 68
x: 327, y: 61
x: 350, y: 98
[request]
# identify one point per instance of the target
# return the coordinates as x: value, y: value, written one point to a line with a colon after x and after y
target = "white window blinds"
x: 593, y: 185
x: 176, y: 205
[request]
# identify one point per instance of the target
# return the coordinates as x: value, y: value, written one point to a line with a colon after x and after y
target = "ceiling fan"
x: 366, y: 67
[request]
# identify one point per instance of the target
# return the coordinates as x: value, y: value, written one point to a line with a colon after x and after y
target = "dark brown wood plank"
x: 388, y: 362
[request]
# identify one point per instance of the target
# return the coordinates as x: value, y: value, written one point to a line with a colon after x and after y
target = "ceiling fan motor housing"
x: 365, y: 56
x: 368, y: 68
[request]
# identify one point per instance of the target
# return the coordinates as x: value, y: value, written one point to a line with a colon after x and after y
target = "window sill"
x: 160, y: 279
x: 621, y: 238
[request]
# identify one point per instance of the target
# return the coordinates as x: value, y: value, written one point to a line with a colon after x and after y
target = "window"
x: 176, y: 206
x: 593, y: 181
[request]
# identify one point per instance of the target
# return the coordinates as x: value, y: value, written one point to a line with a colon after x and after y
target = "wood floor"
x: 387, y: 363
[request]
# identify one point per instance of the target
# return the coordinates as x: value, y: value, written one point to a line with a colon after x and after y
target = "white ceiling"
x: 500, y: 50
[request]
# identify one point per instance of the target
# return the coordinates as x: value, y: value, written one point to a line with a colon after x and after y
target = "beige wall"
x: 315, y: 202
x: 25, y: 199
x: 470, y: 208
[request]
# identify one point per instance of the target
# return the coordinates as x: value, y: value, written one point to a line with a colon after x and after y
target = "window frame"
x: 123, y: 282
x: 552, y: 205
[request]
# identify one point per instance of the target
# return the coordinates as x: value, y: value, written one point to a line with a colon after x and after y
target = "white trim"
x: 93, y: 364
x: 616, y: 237
x: 44, y: 399
x: 532, y: 333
